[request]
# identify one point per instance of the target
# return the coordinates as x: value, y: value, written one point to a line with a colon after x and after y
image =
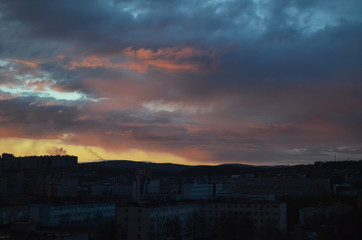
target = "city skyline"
x: 252, y: 82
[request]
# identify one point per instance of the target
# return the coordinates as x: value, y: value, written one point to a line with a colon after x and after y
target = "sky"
x: 194, y: 82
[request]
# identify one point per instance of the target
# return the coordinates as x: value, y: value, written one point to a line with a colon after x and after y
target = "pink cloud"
x: 172, y: 66
x: 93, y: 62
x: 169, y: 53
x: 144, y: 60
x: 28, y: 63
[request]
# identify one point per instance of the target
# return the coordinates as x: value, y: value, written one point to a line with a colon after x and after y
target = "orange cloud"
x: 164, y: 59
x: 92, y: 62
x: 103, y: 62
x: 32, y: 64
x: 139, y: 67
x: 172, y: 66
x: 144, y: 60
x: 169, y: 53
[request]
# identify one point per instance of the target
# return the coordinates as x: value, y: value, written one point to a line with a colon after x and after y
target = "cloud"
x: 173, y: 53
x: 93, y: 62
x: 213, y: 81
x: 98, y: 157
x: 31, y: 64
x: 39, y: 85
x: 57, y: 151
x: 145, y: 60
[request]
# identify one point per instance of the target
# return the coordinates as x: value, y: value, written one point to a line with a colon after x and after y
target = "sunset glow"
x: 255, y: 82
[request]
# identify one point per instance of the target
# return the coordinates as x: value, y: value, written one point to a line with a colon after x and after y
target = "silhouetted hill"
x: 133, y: 165
x: 127, y: 167
x: 220, y: 170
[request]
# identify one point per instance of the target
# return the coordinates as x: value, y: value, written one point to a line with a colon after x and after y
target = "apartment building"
x: 13, y: 213
x: 63, y: 214
x: 234, y: 215
x: 159, y: 221
x: 190, y: 220
x: 279, y: 186
x: 59, y: 187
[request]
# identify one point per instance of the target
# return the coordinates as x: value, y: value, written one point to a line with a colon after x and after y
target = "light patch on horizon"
x: 348, y: 149
x: 343, y: 153
x: 27, y: 147
x: 297, y: 151
x: 160, y: 105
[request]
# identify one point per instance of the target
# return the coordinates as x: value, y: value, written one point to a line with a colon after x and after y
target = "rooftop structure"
x: 9, y: 161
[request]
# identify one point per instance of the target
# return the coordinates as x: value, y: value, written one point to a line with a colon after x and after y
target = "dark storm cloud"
x: 25, y: 117
x: 256, y: 35
x: 66, y: 20
x: 160, y: 22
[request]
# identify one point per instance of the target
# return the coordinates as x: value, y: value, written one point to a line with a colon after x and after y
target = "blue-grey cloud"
x: 234, y: 80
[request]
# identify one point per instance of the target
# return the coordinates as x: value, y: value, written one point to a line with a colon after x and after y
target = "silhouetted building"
x: 190, y: 220
x: 142, y: 184
x: 199, y: 191
x: 13, y: 213
x: 59, y: 187
x: 15, y: 182
x: 29, y: 231
x: 3, y: 189
x: 9, y: 161
x: 315, y: 216
x: 241, y: 216
x: 112, y: 190
x: 161, y: 221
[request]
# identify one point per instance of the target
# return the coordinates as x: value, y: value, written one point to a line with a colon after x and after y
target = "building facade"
x: 72, y: 214
x: 59, y: 187
x: 156, y: 221
x: 12, y: 214
x: 193, y: 220
x: 199, y: 191
x: 241, y: 217
x: 279, y: 186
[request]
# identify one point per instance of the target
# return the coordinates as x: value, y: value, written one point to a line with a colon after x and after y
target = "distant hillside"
x: 133, y: 165
x: 126, y: 167
x: 219, y: 170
